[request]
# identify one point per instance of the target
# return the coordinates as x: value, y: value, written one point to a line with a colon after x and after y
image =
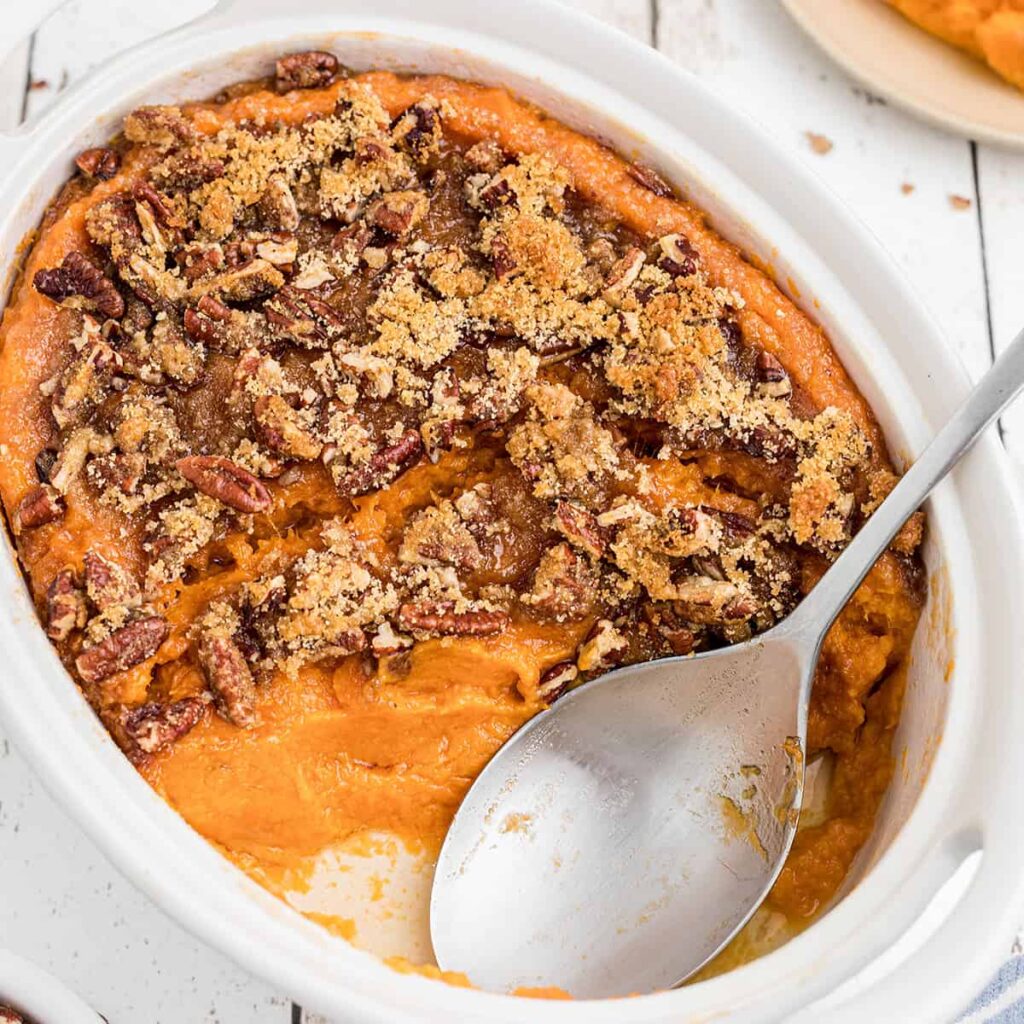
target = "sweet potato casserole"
x: 348, y: 420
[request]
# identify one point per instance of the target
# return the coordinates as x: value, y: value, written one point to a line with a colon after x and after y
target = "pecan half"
x: 581, y: 528
x: 107, y: 584
x: 77, y: 276
x: 556, y: 680
x: 439, y: 618
x: 226, y: 481
x: 205, y: 322
x: 124, y: 648
x: 398, y: 212
x: 159, y: 126
x: 65, y: 606
x: 312, y: 69
x: 650, y: 179
x: 153, y: 727
x: 42, y: 505
x: 99, y: 162
x: 229, y: 679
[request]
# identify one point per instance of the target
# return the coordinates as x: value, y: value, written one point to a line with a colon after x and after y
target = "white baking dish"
x: 956, y: 790
x: 39, y: 996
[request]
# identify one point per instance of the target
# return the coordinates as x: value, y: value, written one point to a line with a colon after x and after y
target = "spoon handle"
x: 994, y: 392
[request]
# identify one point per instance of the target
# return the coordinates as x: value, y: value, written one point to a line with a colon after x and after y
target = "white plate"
x: 904, y: 64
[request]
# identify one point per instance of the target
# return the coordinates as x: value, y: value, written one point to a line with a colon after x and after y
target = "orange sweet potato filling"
x: 334, y: 752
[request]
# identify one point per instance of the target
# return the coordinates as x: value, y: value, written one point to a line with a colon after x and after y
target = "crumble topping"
x: 276, y: 323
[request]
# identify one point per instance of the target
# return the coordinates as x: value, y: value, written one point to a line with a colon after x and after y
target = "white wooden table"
x: 61, y: 903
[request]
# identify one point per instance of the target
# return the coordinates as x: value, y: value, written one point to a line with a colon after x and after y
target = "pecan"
x: 77, y: 276
x: 353, y: 238
x: 501, y: 257
x: 65, y: 606
x: 229, y: 679
x: 281, y: 249
x: 678, y: 258
x: 159, y: 126
x: 439, y: 618
x: 556, y: 680
x: 44, y: 462
x: 312, y: 69
x: 153, y: 727
x: 99, y: 162
x: 396, y: 213
x: 497, y: 192
x: 226, y: 481
x: 581, y: 528
x: 650, y: 179
x: 277, y: 205
x: 564, y: 585
x: 385, y: 466
x: 623, y: 275
x: 143, y: 192
x: 185, y: 172
x: 301, y: 316
x: 772, y: 379
x: 737, y: 526
x: 124, y: 648
x: 42, y: 505
x: 387, y: 641
x: 485, y: 155
x: 8, y: 1015
x: 280, y: 428
x: 199, y: 260
x: 201, y: 323
x: 670, y: 627
x: 107, y: 584
x: 418, y: 129
x: 255, y: 279
x: 604, y: 647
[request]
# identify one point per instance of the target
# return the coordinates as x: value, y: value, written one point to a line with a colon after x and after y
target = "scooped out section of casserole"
x: 349, y: 420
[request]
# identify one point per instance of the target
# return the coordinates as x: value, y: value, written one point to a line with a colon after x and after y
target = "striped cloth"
x: 1002, y: 1001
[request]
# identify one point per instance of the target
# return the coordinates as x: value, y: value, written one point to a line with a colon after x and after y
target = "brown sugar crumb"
x: 907, y: 188
x: 959, y: 202
x: 820, y: 144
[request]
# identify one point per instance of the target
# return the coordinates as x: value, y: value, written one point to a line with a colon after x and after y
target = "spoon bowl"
x: 660, y: 773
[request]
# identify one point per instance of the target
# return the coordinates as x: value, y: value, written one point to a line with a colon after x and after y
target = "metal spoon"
x: 618, y: 841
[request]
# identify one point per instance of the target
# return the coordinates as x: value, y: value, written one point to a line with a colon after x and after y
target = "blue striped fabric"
x: 1002, y: 1001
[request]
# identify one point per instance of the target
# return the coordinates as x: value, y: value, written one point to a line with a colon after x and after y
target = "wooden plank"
x: 1001, y: 184
x: 755, y: 56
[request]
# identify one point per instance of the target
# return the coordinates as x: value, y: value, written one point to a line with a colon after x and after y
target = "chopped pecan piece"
x: 418, y: 129
x: 78, y: 277
x: 200, y: 260
x: 65, y: 606
x: 384, y: 467
x: 281, y: 428
x: 581, y: 528
x: 502, y: 260
x: 670, y: 627
x: 277, y: 205
x: 281, y: 249
x: 153, y: 727
x: 556, y: 680
x: 564, y: 585
x: 497, y: 192
x: 44, y: 463
x: 42, y: 505
x: 604, y: 647
x: 229, y: 679
x: 678, y: 258
x: 387, y: 641
x: 312, y: 69
x: 107, y: 584
x: 8, y: 1015
x: 203, y: 322
x: 650, y: 179
x: 185, y: 172
x: 772, y: 379
x: 159, y: 126
x: 439, y: 618
x: 85, y: 383
x: 255, y: 279
x: 226, y: 481
x: 398, y: 212
x: 99, y: 162
x: 123, y: 649
x: 623, y: 275
x: 301, y: 316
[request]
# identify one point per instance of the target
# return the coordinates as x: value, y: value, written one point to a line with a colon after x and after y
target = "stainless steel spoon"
x: 618, y: 841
